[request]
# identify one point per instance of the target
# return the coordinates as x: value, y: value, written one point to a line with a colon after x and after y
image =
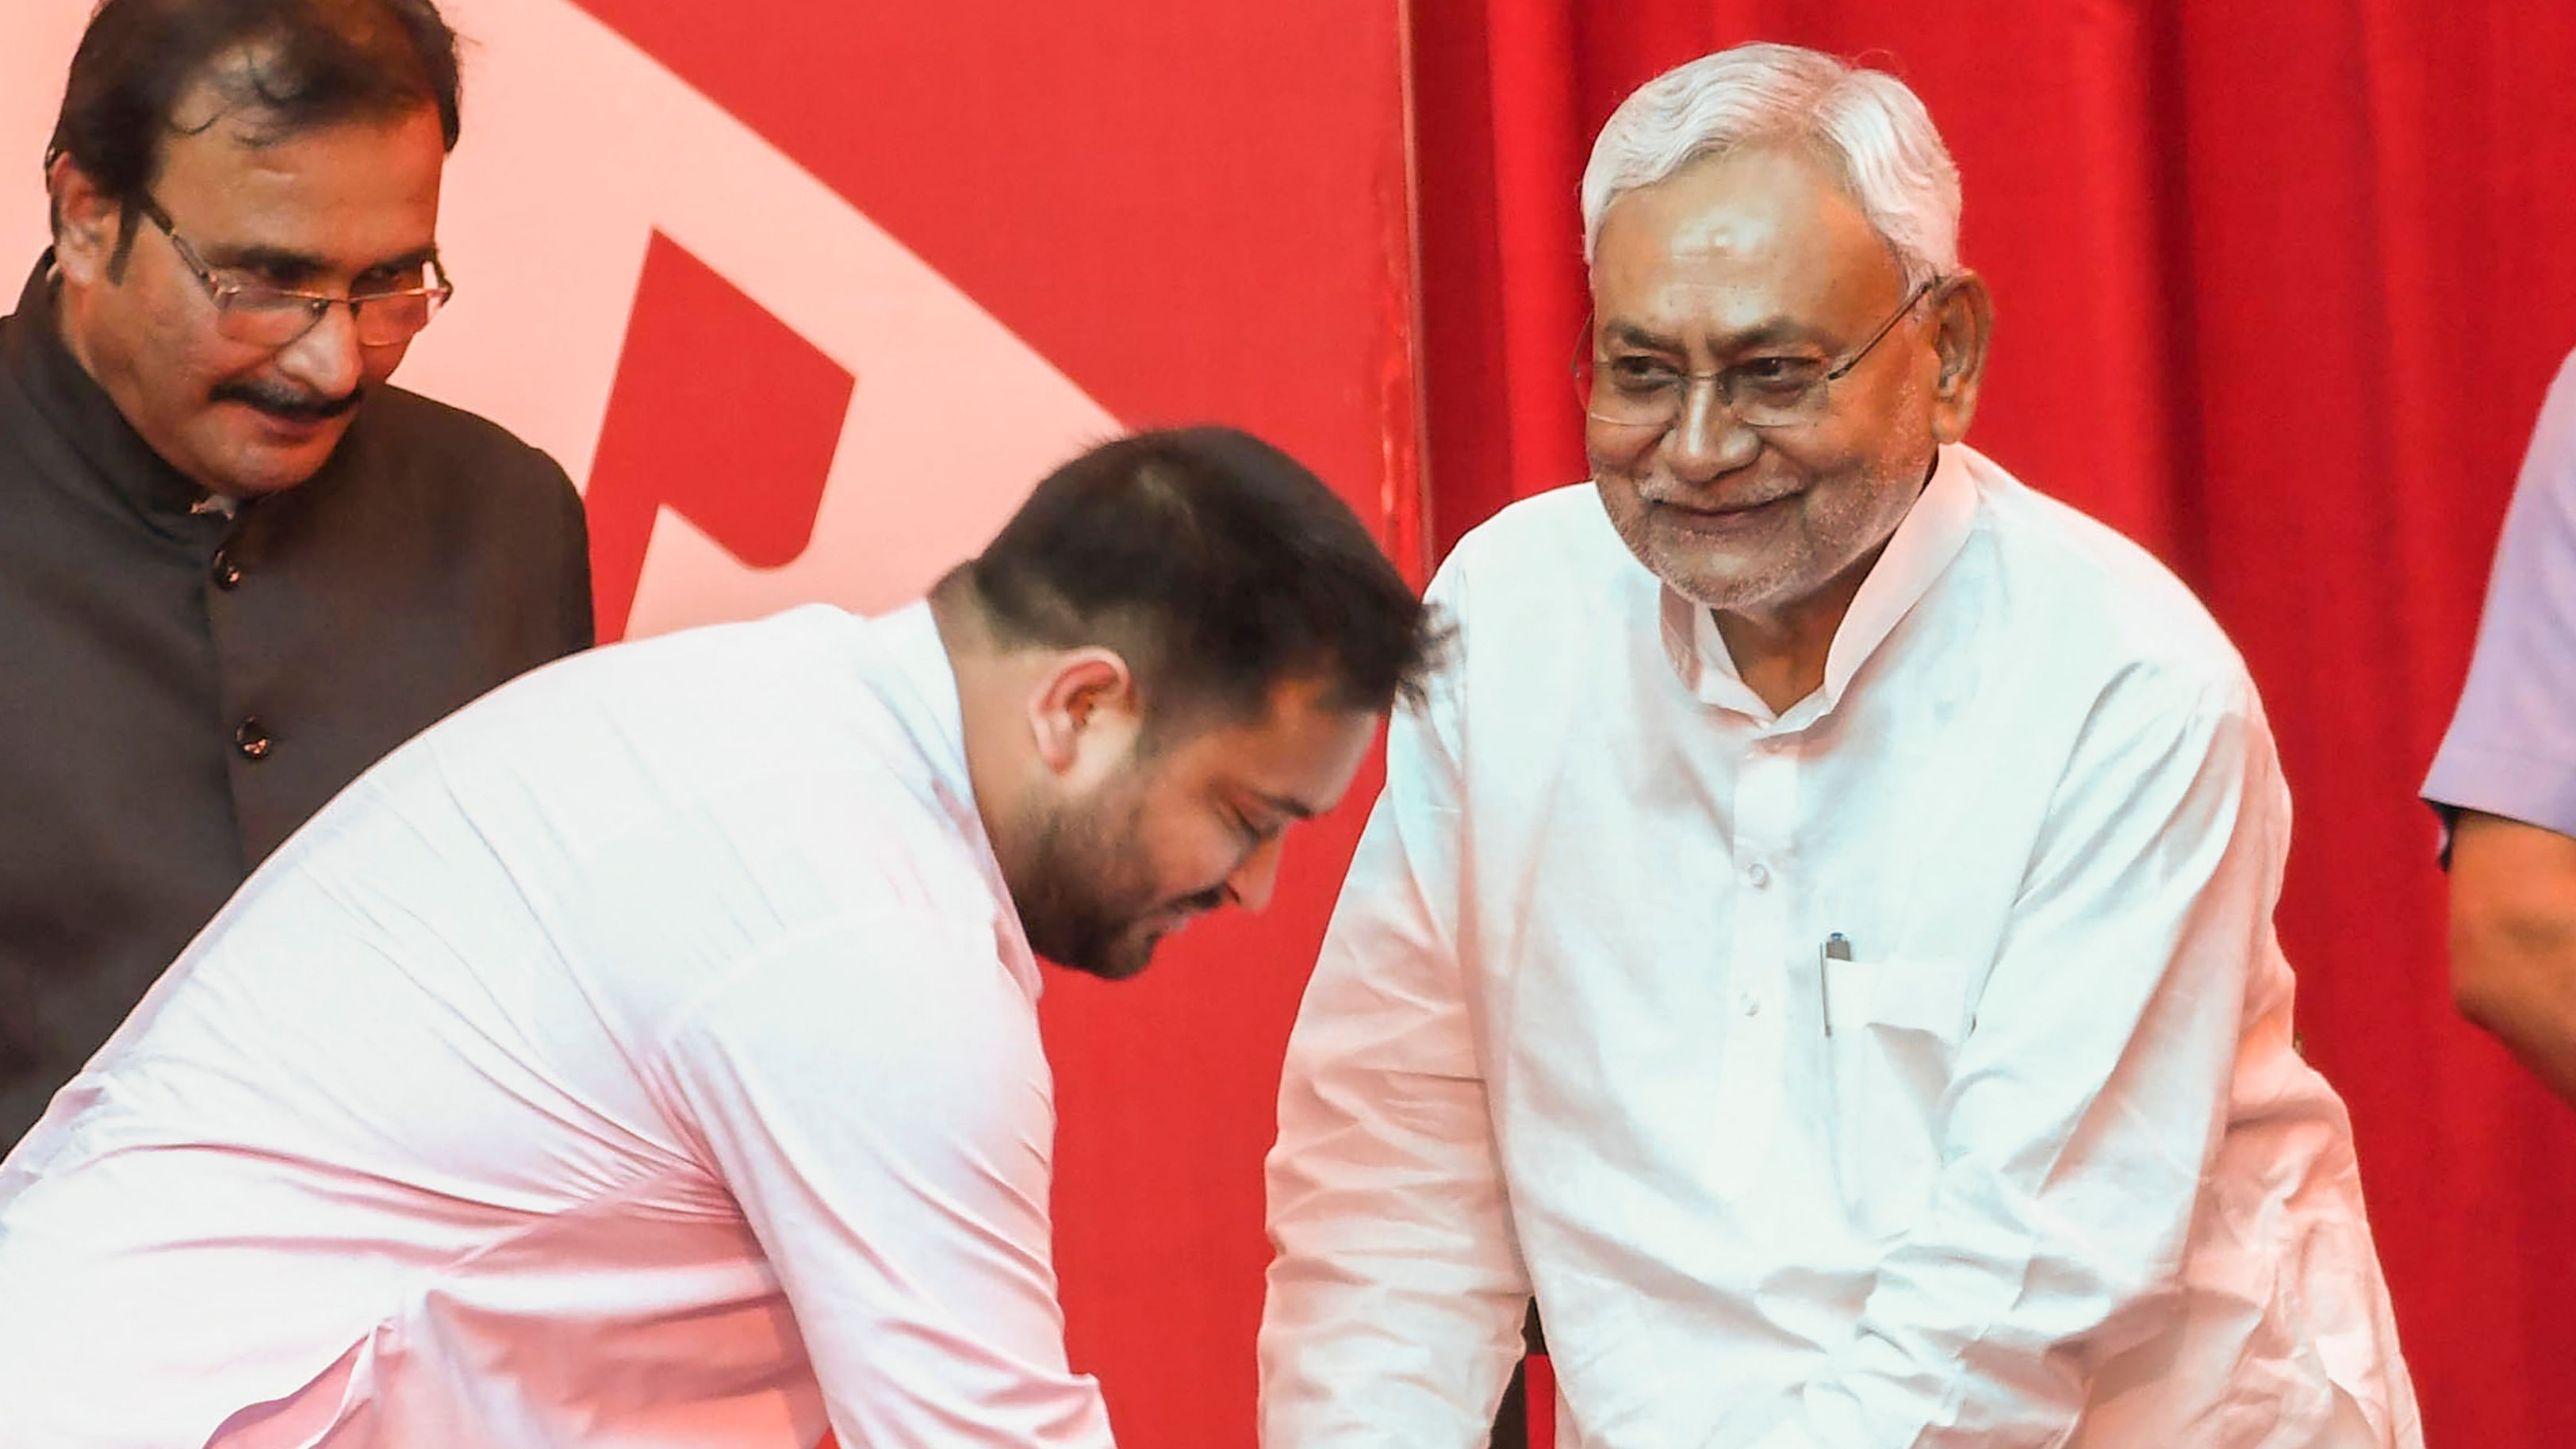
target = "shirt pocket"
x: 1897, y: 1027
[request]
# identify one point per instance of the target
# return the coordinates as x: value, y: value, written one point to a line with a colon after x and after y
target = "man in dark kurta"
x: 234, y: 570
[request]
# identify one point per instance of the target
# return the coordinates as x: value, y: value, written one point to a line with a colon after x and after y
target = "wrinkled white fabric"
x: 2056, y: 1174
x: 647, y: 1055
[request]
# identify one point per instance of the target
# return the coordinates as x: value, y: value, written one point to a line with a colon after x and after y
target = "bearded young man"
x: 648, y: 1054
x: 1817, y: 937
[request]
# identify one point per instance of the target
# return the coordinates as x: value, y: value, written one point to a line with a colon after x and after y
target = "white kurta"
x: 2057, y: 1166
x: 648, y: 1055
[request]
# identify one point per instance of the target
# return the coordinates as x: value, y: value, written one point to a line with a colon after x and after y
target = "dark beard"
x: 1077, y: 904
x: 1086, y: 896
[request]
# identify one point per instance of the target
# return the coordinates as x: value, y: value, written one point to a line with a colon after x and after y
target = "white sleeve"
x: 2088, y: 1098
x: 1395, y: 1301
x: 876, y: 1097
x: 2511, y: 747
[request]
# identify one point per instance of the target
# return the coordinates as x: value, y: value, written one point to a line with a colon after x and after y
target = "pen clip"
x: 1835, y: 948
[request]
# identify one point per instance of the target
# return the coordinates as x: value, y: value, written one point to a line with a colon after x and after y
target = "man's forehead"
x: 358, y: 192
x: 1756, y: 215
x: 1275, y: 753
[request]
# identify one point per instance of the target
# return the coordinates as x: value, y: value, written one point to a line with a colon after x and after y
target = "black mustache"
x: 288, y: 403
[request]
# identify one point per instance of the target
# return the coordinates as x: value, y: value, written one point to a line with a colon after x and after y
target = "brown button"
x: 251, y: 738
x: 225, y: 571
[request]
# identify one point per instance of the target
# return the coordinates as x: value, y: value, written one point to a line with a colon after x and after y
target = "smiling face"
x: 1732, y: 262
x: 343, y: 208
x: 1181, y: 829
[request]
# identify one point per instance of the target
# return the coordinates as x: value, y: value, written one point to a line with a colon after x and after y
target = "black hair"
x: 302, y: 64
x: 1219, y: 567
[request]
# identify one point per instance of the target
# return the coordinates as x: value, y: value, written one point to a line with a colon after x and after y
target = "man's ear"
x: 89, y: 225
x: 1963, y: 320
x: 1084, y: 716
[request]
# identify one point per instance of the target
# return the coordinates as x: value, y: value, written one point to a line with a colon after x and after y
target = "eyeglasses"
x: 268, y: 316
x: 1634, y: 390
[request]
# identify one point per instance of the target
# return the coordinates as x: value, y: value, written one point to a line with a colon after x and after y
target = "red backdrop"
x: 2280, y: 288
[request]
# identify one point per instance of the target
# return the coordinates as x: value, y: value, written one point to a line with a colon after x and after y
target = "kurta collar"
x: 927, y: 702
x: 67, y: 397
x: 909, y: 639
x: 1916, y: 556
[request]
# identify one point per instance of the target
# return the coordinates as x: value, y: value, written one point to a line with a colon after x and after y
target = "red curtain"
x: 2280, y: 288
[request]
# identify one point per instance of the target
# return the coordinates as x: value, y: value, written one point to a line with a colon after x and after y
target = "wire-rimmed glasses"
x: 267, y: 316
x: 1641, y: 390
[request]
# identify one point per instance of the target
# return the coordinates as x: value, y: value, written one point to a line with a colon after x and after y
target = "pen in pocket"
x: 1834, y: 949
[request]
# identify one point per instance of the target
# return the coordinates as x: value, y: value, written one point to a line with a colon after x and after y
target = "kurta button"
x: 1758, y: 874
x: 226, y: 572
x: 1751, y: 1003
x: 251, y: 738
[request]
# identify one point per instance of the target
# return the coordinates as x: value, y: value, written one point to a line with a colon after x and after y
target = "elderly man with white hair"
x: 1817, y: 939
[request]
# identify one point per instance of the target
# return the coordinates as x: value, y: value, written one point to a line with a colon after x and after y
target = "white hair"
x: 1864, y: 123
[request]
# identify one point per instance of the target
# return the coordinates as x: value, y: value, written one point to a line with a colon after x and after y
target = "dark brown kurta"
x: 180, y: 690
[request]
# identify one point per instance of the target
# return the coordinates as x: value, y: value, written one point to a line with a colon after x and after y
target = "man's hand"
x: 2513, y: 940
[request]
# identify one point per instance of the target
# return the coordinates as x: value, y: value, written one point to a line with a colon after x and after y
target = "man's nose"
x: 326, y: 361
x: 1707, y: 438
x: 1253, y: 881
